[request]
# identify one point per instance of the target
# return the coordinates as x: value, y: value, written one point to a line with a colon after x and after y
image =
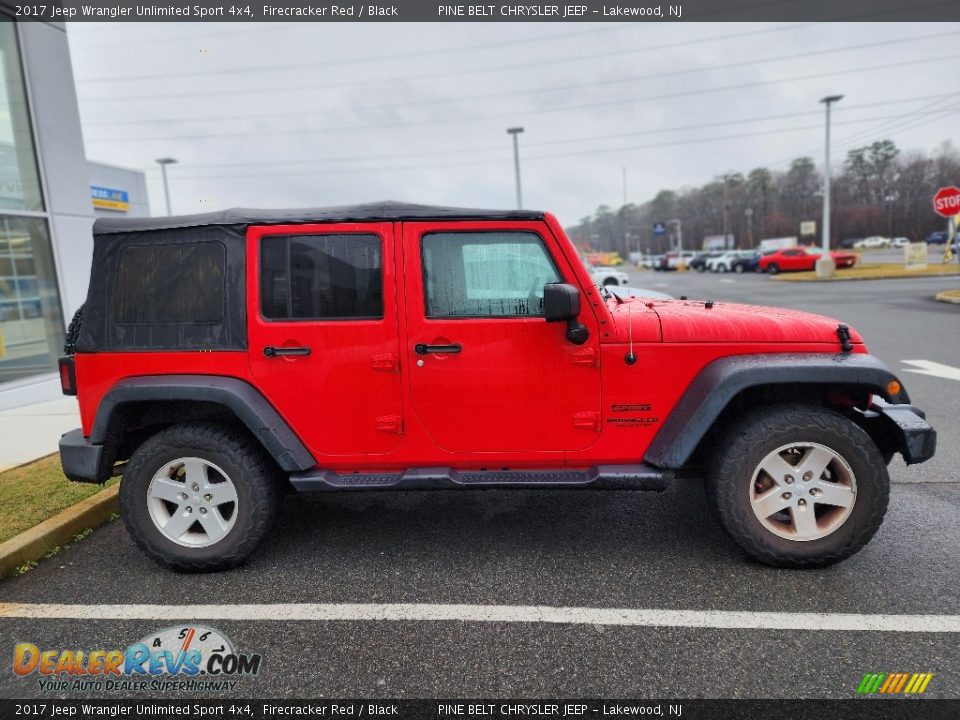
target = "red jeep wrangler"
x: 223, y: 358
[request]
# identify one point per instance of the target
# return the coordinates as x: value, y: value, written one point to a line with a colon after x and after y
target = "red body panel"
x: 518, y: 395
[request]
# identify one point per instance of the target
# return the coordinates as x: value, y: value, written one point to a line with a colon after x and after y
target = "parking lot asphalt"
x: 571, y: 549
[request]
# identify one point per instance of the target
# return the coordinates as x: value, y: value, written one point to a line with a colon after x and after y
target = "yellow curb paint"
x: 60, y: 529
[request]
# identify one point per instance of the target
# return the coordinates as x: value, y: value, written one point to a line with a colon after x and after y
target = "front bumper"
x: 907, y: 429
x: 82, y: 461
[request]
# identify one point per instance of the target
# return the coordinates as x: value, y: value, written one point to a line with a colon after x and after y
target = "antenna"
x: 630, y: 358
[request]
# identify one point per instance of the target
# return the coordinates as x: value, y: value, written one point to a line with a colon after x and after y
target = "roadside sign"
x: 808, y: 227
x: 947, y: 201
x: 659, y: 228
x: 915, y: 256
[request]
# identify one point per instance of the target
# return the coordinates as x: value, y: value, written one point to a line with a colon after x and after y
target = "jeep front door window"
x: 486, y: 274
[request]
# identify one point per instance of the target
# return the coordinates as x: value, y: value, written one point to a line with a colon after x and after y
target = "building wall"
x: 46, y: 205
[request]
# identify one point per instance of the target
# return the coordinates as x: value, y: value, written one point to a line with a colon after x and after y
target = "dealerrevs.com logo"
x: 179, y: 658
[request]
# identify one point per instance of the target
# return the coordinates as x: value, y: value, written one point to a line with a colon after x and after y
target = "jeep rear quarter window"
x: 179, y: 283
x: 321, y: 277
x: 485, y: 274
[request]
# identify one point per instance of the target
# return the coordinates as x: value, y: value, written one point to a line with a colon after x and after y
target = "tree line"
x: 879, y: 190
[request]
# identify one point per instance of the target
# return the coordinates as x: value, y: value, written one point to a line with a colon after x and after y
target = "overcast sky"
x: 286, y: 115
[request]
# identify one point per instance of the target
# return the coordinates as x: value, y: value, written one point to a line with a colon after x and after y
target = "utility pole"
x: 516, y: 162
x: 726, y: 214
x: 164, y: 161
x: 749, y: 213
x: 624, y: 187
x: 826, y: 267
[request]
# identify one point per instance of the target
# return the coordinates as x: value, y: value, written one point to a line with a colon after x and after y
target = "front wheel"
x: 773, y: 269
x: 198, y: 497
x: 798, y: 486
x: 738, y: 269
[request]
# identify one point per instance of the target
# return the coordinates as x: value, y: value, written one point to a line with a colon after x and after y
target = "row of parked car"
x: 878, y: 241
x: 740, y: 261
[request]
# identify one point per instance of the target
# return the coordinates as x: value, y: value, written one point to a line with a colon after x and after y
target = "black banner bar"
x: 865, y: 709
x: 484, y: 11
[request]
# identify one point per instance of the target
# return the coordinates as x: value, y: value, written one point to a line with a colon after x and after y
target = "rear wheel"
x: 198, y: 497
x: 738, y: 268
x: 773, y: 269
x: 798, y: 486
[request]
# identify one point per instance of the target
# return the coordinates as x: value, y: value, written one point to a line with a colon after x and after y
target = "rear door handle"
x: 271, y: 351
x: 421, y: 349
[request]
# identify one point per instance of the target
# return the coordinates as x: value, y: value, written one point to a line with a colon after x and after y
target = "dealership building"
x: 49, y: 197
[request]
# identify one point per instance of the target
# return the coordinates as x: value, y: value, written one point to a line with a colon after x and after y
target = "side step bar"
x: 599, y: 477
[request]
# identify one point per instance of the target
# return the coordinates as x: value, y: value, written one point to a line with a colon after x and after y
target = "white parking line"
x: 928, y: 367
x: 313, y: 612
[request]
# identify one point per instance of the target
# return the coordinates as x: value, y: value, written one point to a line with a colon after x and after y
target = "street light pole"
x: 516, y: 162
x: 825, y: 264
x: 164, y: 161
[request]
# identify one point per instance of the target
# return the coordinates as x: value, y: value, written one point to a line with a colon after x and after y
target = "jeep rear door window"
x: 171, y: 283
x: 495, y: 274
x: 321, y: 277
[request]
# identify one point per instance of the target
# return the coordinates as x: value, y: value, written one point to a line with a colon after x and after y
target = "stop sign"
x: 947, y: 201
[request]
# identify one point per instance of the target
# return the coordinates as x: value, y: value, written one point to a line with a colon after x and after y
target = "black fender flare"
x: 240, y: 397
x: 723, y: 379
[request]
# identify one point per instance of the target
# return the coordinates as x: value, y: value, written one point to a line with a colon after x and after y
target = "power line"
x: 529, y: 158
x: 563, y: 141
x: 511, y: 67
x: 233, y: 117
x: 514, y: 113
x: 844, y: 144
x: 460, y: 48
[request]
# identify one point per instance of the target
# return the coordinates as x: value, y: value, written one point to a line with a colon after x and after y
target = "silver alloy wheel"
x: 192, y: 502
x: 803, y: 491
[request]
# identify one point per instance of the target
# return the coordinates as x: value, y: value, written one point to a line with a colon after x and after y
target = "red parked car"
x: 802, y: 258
x: 224, y: 359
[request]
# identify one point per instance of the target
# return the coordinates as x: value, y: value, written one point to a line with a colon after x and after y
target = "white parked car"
x: 900, y: 242
x: 724, y: 262
x: 672, y: 260
x: 608, y: 276
x: 874, y: 241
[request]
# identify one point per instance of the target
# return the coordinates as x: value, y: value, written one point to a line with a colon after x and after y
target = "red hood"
x: 689, y: 321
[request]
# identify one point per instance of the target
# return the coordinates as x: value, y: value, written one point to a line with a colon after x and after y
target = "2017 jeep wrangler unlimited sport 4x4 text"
x: 222, y: 358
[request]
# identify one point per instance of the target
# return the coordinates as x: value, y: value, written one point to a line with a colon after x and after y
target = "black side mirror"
x: 561, y: 303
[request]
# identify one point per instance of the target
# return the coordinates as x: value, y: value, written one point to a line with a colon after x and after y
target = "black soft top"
x: 241, y: 217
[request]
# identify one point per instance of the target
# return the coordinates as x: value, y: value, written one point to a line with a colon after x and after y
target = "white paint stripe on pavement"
x: 313, y: 612
x: 935, y: 369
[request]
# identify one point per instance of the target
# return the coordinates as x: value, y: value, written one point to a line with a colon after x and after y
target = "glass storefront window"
x: 19, y: 179
x: 31, y: 327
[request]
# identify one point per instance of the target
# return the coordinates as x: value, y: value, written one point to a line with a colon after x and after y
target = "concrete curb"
x: 949, y: 296
x: 36, y: 542
x: 878, y: 276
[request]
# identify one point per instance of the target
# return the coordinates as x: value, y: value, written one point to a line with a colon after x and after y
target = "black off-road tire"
x: 73, y: 332
x: 252, y: 472
x: 739, y: 451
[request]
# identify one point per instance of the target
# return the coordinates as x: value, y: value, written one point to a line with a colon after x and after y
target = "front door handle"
x: 421, y: 349
x: 271, y: 351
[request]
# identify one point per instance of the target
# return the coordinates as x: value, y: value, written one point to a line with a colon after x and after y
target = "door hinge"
x: 589, y: 420
x: 390, y: 424
x: 586, y: 357
x: 387, y: 361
